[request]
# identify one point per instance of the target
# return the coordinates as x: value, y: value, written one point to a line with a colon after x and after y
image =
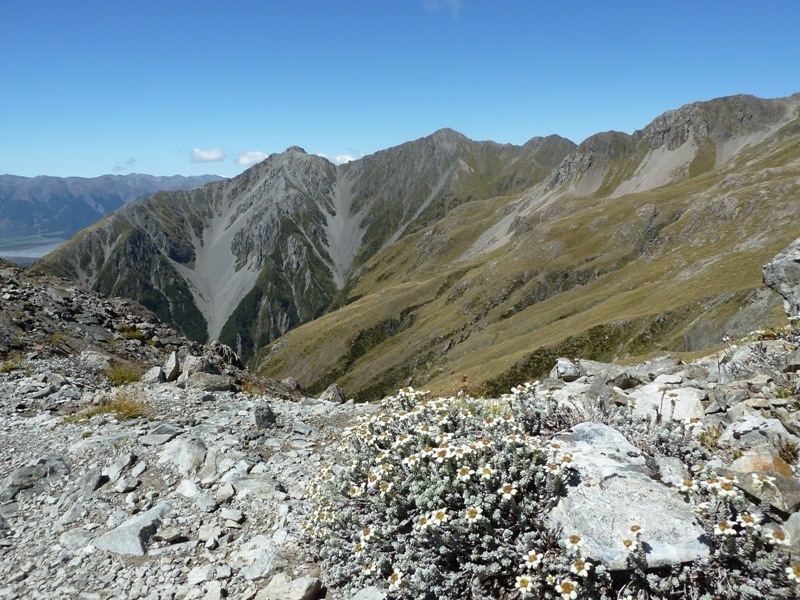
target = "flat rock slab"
x: 616, y: 491
x: 132, y: 536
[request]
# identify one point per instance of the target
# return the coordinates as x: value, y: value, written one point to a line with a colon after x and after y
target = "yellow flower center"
x: 567, y: 587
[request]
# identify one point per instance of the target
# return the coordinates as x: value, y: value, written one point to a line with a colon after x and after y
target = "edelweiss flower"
x: 367, y: 534
x: 373, y: 478
x: 747, y: 520
x: 524, y: 584
x: 356, y: 490
x: 508, y: 490
x: 359, y: 548
x: 442, y: 452
x: 726, y: 489
x: 567, y: 589
x: 423, y: 523
x: 574, y: 543
x: 778, y: 537
x: 724, y: 528
x: 486, y: 472
x: 552, y: 469
x: 581, y: 568
x: 532, y: 560
x: 464, y: 473
x: 629, y: 545
x: 567, y: 460
x: 473, y: 514
x: 763, y: 480
x: 386, y: 487
x: 395, y: 580
x: 369, y: 568
x: 636, y: 530
x: 411, y: 460
x: 793, y: 573
x: 688, y: 485
x: 438, y: 517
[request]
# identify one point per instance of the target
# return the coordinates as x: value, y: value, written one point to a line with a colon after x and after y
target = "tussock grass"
x: 123, y: 403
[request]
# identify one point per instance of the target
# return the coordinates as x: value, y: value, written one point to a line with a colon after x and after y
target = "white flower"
x: 369, y: 568
x: 474, y: 514
x: 567, y: 589
x: 356, y: 490
x: 581, y: 568
x: 688, y: 485
x: 464, y: 473
x: 574, y: 543
x: 524, y: 584
x: 793, y: 573
x: 395, y: 580
x: 726, y: 489
x: 508, y: 490
x: 763, y: 480
x: 411, y: 460
x: 386, y: 487
x: 486, y: 472
x: 724, y: 528
x: 440, y: 516
x: 423, y: 523
x: 777, y: 537
x: 747, y: 520
x: 367, y: 534
x: 532, y: 560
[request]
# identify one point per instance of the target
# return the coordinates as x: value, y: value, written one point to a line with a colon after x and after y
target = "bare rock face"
x: 616, y: 491
x: 782, y: 274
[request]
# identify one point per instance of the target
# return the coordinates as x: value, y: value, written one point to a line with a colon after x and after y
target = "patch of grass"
x: 14, y: 362
x: 132, y: 333
x: 123, y: 404
x: 122, y: 374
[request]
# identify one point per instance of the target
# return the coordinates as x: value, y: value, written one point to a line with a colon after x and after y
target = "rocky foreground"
x: 190, y: 482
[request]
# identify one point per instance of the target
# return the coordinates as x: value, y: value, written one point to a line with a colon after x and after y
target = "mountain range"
x: 37, y: 211
x: 446, y: 260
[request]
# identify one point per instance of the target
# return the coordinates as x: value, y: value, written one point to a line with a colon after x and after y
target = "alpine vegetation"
x: 452, y: 498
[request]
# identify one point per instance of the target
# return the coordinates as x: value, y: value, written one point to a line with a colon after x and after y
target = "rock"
x: 264, y: 417
x: 763, y: 460
x: 153, y: 375
x: 209, y: 382
x: 614, y: 479
x: 370, y: 593
x: 29, y: 476
x: 258, y: 559
x: 161, y: 434
x: 187, y: 454
x: 656, y: 401
x: 782, y: 274
x: 333, y: 393
x: 172, y: 367
x: 280, y: 587
x: 133, y: 535
x: 753, y: 431
x: 123, y: 461
x: 565, y: 369
x: 190, y: 491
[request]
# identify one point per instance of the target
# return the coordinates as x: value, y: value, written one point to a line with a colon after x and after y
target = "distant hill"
x: 40, y: 211
x: 445, y: 256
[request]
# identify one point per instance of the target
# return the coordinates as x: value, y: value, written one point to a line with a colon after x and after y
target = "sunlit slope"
x: 497, y: 289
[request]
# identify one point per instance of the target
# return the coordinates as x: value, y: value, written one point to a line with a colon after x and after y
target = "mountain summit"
x: 445, y: 257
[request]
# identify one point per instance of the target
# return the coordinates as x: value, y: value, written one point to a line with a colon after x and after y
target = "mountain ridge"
x: 442, y: 243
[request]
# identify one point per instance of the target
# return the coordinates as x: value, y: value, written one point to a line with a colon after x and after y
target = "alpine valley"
x: 446, y: 260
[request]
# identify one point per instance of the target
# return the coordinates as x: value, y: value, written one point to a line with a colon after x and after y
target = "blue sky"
x: 174, y: 87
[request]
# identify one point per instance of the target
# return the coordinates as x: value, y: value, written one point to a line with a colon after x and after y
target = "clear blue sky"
x: 159, y: 87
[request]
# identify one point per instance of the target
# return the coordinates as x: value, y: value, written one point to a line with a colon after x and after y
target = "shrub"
x: 447, y: 498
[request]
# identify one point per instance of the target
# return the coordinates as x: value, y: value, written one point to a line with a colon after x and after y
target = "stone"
x: 782, y: 274
x: 752, y: 431
x: 209, y: 382
x: 615, y: 480
x: 264, y: 417
x: 187, y: 454
x: 132, y: 536
x: 172, y: 367
x: 565, y: 369
x: 200, y: 574
x: 333, y: 393
x: 29, y: 476
x: 258, y: 559
x: 161, y: 434
x: 122, y: 462
x: 153, y: 375
x: 370, y: 593
x: 280, y: 587
x: 763, y: 460
x: 656, y: 402
x: 191, y: 491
